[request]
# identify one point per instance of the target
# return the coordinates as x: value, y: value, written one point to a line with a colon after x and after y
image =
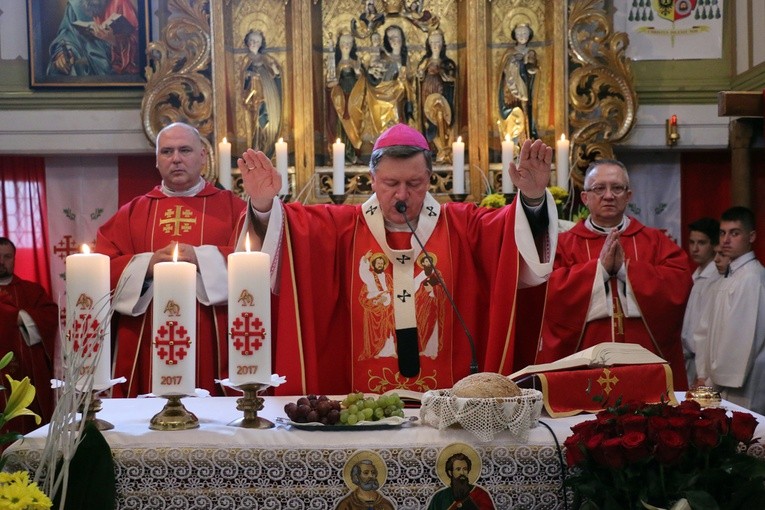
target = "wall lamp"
x: 672, y: 135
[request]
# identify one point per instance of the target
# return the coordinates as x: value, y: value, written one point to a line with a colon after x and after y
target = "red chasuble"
x: 35, y: 361
x: 657, y: 270
x: 149, y: 223
x: 334, y: 323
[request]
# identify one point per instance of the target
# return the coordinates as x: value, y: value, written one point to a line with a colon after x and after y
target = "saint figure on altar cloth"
x: 458, y: 466
x: 364, y: 474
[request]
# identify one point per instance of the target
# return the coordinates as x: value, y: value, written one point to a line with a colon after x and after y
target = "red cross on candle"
x: 85, y: 330
x: 248, y: 334
x: 174, y: 339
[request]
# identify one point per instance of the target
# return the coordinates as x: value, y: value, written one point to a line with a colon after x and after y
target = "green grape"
x: 353, y: 409
x: 368, y: 412
x: 352, y: 419
x: 344, y: 415
x: 379, y: 413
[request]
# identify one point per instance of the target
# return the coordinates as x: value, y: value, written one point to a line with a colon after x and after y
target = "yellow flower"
x: 559, y: 194
x: 22, y: 394
x: 17, y: 492
x: 493, y: 200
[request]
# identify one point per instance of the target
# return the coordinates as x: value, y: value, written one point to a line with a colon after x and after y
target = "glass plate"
x: 386, y: 423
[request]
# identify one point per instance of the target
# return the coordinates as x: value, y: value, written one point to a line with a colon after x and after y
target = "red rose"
x: 655, y: 425
x: 705, y: 434
x: 742, y: 426
x: 670, y: 446
x: 635, y: 446
x: 689, y: 405
x: 585, y: 428
x: 574, y: 450
x: 633, y: 423
x: 613, y: 453
x: 719, y: 416
x: 681, y: 425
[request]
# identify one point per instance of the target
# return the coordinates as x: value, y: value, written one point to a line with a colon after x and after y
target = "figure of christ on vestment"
x: 34, y: 361
x: 319, y: 342
x: 376, y: 298
x: 431, y: 303
x: 658, y: 283
x: 144, y: 225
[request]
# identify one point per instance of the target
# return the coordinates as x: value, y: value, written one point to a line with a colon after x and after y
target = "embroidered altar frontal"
x: 569, y: 392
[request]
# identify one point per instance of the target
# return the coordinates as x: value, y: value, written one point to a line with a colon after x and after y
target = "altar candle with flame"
x: 174, y: 356
x: 338, y: 168
x: 561, y: 161
x: 224, y: 163
x: 458, y: 167
x: 281, y: 165
x: 249, y: 312
x: 507, y: 158
x: 87, y: 309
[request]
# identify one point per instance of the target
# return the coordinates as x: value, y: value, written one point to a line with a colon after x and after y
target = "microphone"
x: 401, y: 208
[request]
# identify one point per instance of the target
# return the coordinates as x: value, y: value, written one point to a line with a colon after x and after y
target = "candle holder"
x: 286, y: 197
x: 90, y: 416
x: 337, y: 199
x: 458, y: 197
x: 509, y: 197
x: 174, y: 416
x: 250, y: 404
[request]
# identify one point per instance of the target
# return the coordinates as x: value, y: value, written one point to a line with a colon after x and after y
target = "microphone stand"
x: 401, y: 208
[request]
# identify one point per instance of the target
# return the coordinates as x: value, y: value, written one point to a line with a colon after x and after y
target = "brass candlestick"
x: 90, y: 415
x: 337, y: 199
x: 250, y: 404
x: 174, y: 416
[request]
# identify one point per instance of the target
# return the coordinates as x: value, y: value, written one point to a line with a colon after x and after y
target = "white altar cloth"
x: 221, y: 467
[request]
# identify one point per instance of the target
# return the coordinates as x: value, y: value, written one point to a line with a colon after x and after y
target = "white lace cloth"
x: 218, y: 467
x: 484, y: 417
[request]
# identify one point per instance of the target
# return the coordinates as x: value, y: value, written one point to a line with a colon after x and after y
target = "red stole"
x: 373, y: 350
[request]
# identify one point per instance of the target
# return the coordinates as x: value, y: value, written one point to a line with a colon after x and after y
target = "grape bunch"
x: 309, y: 409
x: 358, y: 408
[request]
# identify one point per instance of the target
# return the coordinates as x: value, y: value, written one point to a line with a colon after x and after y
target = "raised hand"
x: 260, y: 179
x: 532, y: 173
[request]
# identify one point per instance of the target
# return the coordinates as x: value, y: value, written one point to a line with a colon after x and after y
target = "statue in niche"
x: 516, y: 89
x: 389, y: 91
x: 345, y: 82
x: 436, y: 76
x: 262, y: 93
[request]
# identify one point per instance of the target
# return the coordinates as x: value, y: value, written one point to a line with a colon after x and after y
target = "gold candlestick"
x: 174, y: 416
x: 90, y: 415
x: 250, y: 404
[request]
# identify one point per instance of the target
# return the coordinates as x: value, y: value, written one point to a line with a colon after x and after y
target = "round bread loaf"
x: 485, y: 385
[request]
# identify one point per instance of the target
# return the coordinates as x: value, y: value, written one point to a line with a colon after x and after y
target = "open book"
x: 116, y: 23
x: 601, y: 355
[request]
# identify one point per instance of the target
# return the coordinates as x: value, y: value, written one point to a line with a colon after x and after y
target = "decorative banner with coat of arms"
x: 672, y: 29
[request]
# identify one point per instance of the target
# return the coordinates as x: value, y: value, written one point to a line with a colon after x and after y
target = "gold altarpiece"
x: 257, y: 71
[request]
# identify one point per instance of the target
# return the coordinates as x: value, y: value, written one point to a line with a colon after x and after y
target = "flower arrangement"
x: 637, y: 456
x: 493, y: 200
x: 17, y: 491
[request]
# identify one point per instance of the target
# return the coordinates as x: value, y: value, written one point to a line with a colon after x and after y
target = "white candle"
x: 561, y: 161
x: 174, y: 355
x: 87, y: 311
x: 507, y: 158
x: 338, y: 168
x: 249, y: 312
x: 224, y: 163
x: 458, y: 168
x: 281, y: 165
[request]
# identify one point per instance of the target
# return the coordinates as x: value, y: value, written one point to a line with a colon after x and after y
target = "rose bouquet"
x: 637, y: 456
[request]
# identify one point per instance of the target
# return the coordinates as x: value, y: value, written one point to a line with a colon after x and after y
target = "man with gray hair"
x: 615, y: 279
x: 186, y: 213
x: 324, y: 345
x: 366, y: 495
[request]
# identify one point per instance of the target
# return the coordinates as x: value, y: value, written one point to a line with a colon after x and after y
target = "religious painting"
x: 364, y: 474
x: 458, y: 467
x: 87, y: 43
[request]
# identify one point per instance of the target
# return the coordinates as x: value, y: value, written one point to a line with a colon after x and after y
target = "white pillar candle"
x: 87, y: 313
x: 224, y: 163
x: 249, y: 312
x: 338, y: 168
x: 507, y: 158
x: 458, y: 167
x: 174, y: 355
x: 281, y: 165
x: 561, y: 161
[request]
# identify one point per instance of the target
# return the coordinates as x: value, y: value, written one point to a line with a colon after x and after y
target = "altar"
x: 221, y: 467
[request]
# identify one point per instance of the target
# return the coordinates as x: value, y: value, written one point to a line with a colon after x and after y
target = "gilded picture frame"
x: 87, y: 43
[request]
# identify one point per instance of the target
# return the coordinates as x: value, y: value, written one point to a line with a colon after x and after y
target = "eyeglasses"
x: 617, y: 190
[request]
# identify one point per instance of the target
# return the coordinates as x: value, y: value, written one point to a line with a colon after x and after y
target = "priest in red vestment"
x: 28, y: 326
x: 200, y: 219
x: 615, y: 279
x: 354, y: 307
